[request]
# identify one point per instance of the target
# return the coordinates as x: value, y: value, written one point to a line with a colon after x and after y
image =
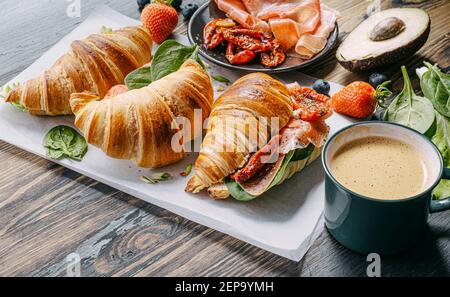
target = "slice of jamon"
x: 306, y: 13
x: 296, y: 134
x: 288, y: 20
x: 285, y: 31
x: 301, y: 11
x: 303, y: 25
x: 310, y: 44
x: 237, y: 11
x: 299, y: 134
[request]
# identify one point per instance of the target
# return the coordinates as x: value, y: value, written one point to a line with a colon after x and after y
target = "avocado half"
x: 408, y: 33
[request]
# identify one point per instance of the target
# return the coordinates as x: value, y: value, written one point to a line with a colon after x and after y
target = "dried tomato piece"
x: 310, y: 105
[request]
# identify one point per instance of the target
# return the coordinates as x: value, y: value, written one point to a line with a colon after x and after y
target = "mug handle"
x: 442, y: 204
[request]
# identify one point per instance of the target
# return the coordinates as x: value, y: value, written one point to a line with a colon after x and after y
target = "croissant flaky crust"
x: 94, y: 64
x: 137, y: 125
x: 251, y: 99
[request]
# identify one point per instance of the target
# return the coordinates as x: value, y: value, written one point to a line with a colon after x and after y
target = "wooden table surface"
x: 48, y: 212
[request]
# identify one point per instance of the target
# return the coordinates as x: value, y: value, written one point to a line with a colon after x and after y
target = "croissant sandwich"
x: 94, y: 64
x: 243, y: 153
x: 139, y: 125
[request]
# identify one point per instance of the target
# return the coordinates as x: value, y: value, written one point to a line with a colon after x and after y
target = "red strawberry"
x: 359, y: 99
x: 161, y: 19
x: 116, y: 90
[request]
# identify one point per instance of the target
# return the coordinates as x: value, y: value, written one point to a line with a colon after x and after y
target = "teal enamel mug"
x: 384, y: 226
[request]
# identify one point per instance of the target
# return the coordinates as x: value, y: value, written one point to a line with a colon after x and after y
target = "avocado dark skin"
x: 388, y: 57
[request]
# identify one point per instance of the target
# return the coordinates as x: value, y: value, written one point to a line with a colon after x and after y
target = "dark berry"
x: 176, y: 4
x: 142, y: 3
x: 321, y: 86
x: 376, y: 79
x: 188, y: 10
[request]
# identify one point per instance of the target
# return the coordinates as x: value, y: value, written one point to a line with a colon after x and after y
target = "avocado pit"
x: 387, y: 29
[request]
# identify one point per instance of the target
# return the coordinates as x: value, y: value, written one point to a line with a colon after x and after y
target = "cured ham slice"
x: 288, y: 20
x: 301, y: 11
x: 310, y: 44
x: 298, y: 134
x: 237, y: 11
x: 303, y: 25
x: 285, y: 31
x: 306, y: 13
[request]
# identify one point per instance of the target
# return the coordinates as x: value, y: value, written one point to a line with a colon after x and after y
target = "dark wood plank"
x: 48, y: 212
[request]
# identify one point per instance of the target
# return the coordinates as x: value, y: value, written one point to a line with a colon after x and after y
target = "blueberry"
x: 376, y: 79
x: 142, y: 3
x: 321, y: 86
x: 188, y: 10
x: 176, y: 4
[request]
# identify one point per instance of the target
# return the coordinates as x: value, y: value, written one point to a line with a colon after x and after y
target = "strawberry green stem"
x: 167, y: 2
x: 381, y: 93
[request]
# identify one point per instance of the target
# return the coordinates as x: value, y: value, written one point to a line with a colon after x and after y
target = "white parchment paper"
x: 284, y: 221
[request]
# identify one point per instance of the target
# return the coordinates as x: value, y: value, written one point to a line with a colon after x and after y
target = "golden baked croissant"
x: 94, y: 64
x: 136, y: 125
x: 252, y: 98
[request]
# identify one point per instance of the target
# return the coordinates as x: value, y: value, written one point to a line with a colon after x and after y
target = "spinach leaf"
x: 282, y: 170
x: 19, y: 106
x: 236, y: 191
x: 409, y: 109
x: 301, y: 154
x: 239, y: 193
x: 168, y: 58
x: 139, y: 78
x: 435, y: 86
x: 105, y: 30
x: 441, y: 139
x: 196, y: 57
x: 442, y: 190
x: 8, y: 89
x: 63, y: 141
x: 221, y: 78
x: 156, y: 178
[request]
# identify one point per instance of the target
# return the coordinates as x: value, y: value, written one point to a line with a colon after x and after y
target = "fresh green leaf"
x: 6, y: 91
x: 196, y: 57
x: 236, y: 191
x: 19, y: 106
x: 410, y: 109
x: 167, y: 2
x: 105, y: 30
x: 161, y: 176
x: 65, y: 142
x: 169, y: 56
x: 381, y: 93
x: 279, y: 176
x: 435, y: 86
x: 148, y: 180
x: 442, y: 190
x: 239, y: 193
x: 441, y: 138
x: 187, y: 171
x: 221, y: 78
x: 156, y: 177
x: 301, y: 154
x: 139, y: 78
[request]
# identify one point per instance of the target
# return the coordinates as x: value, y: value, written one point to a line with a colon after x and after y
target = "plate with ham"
x: 264, y: 35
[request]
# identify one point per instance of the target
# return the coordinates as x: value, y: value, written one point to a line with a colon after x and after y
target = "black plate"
x: 210, y: 11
